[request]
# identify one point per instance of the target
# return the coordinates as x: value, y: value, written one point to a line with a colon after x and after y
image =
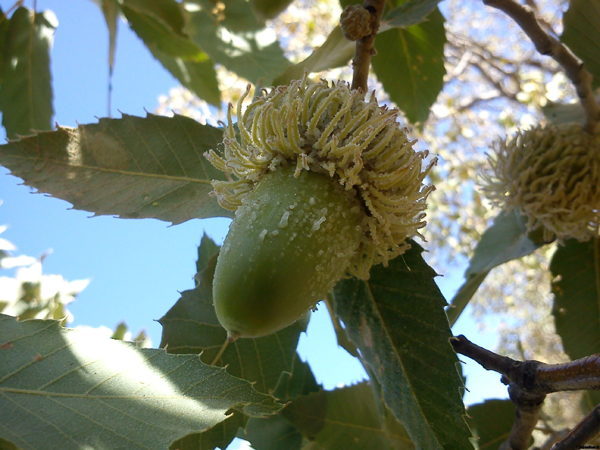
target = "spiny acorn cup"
x: 324, y: 184
x: 551, y: 174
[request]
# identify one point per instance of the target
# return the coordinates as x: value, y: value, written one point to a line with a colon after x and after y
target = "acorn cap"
x: 552, y: 175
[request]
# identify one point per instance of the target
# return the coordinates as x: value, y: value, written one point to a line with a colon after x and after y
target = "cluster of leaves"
x: 190, y: 39
x: 405, y: 290
x: 395, y: 323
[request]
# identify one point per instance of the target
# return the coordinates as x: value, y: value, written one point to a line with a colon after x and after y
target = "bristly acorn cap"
x: 552, y: 175
x: 332, y: 130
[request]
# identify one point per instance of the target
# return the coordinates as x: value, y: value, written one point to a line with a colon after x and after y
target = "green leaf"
x: 397, y: 321
x: 392, y: 428
x: 505, y: 240
x: 110, y: 9
x: 207, y: 251
x: 410, y: 13
x: 169, y: 12
x: 70, y: 389
x: 395, y: 432
x: 156, y: 34
x: 219, y: 436
x: 120, y: 330
x: 132, y: 167
x: 581, y: 24
x: 410, y: 65
x: 160, y: 26
x: 273, y: 433
x: 344, y: 3
x: 576, y: 287
x: 464, y: 295
x: 300, y: 381
x: 191, y: 326
x: 340, y: 332
x: 4, y: 27
x: 276, y: 432
x: 26, y: 91
x: 559, y: 113
x: 5, y: 445
x: 336, y: 51
x: 254, y: 55
x: 491, y: 422
x: 342, y: 419
x: 199, y: 76
x: 236, y: 16
x: 576, y: 307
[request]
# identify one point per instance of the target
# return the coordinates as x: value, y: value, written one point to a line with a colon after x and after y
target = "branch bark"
x: 550, y: 46
x: 529, y: 382
x: 365, y: 45
x: 528, y: 407
x: 585, y: 431
x: 533, y: 376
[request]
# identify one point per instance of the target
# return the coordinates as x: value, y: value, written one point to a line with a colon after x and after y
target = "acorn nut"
x: 292, y: 238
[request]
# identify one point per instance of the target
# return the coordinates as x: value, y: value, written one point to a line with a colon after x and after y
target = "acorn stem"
x: 222, y: 349
x: 365, y: 47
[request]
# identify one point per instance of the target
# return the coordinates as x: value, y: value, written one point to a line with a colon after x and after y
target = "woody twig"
x: 529, y: 381
x: 360, y: 23
x: 548, y: 45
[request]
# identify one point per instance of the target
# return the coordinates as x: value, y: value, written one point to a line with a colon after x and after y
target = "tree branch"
x: 550, y: 46
x: 360, y: 24
x: 483, y: 97
x: 533, y: 376
x: 466, y: 43
x: 529, y: 382
x: 528, y: 407
x: 495, y: 83
x: 582, y: 433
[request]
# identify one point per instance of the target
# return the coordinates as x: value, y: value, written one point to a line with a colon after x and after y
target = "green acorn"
x: 291, y: 239
x: 324, y: 183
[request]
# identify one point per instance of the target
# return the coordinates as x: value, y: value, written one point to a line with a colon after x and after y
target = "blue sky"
x: 137, y: 267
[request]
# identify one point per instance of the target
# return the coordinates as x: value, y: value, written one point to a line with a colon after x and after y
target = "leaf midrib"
x: 117, y: 171
x: 399, y: 359
x: 597, y: 272
x: 4, y: 390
